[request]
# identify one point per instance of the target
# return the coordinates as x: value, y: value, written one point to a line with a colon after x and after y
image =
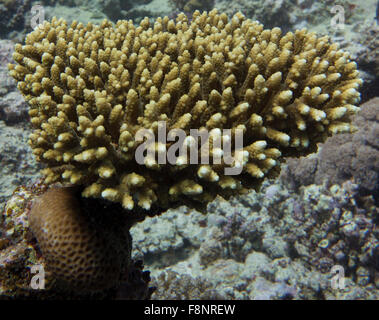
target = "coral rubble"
x: 275, y: 244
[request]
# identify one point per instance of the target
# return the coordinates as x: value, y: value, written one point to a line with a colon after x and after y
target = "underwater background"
x: 279, y: 243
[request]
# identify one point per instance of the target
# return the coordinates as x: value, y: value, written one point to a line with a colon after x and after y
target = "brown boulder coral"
x: 82, y: 254
x: 83, y: 245
x: 91, y: 88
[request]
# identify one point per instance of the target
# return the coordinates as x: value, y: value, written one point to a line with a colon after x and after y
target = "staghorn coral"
x: 91, y: 88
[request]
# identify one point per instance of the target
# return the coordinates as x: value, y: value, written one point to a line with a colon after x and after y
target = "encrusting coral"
x: 91, y: 88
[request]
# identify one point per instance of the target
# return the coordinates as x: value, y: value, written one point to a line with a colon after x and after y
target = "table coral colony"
x: 91, y: 88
